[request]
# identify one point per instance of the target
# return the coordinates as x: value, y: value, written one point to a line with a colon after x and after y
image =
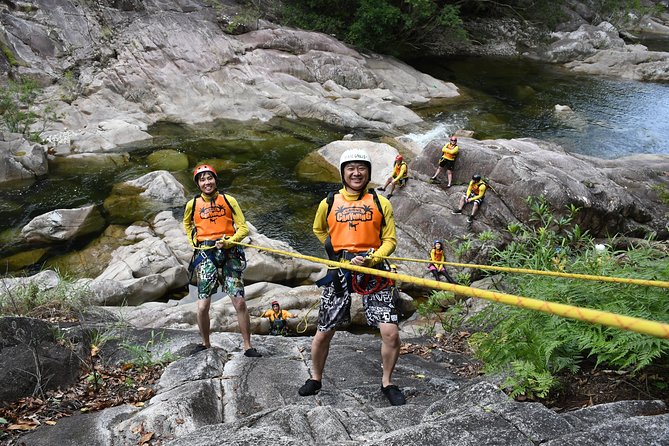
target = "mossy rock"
x: 168, y: 159
x: 87, y: 162
x: 315, y: 168
x: 93, y: 259
x: 22, y: 260
x: 125, y: 205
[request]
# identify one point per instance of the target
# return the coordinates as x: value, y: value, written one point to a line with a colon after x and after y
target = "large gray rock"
x: 21, y: 159
x: 64, y: 225
x: 219, y: 394
x: 136, y: 63
x: 31, y: 360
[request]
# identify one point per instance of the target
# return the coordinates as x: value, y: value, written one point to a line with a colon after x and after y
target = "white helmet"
x: 354, y: 155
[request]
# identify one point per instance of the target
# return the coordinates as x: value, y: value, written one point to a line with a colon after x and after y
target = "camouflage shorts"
x: 335, y: 308
x: 225, y: 267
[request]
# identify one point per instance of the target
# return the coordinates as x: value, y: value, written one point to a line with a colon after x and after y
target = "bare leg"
x: 475, y: 209
x: 390, y: 350
x: 462, y: 203
x: 436, y: 174
x: 449, y: 173
x: 320, y: 347
x: 243, y: 320
x: 392, y: 188
x: 203, y: 322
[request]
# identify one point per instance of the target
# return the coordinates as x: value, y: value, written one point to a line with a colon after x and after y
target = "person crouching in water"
x: 436, y: 267
x: 278, y: 319
x: 350, y: 223
x: 212, y: 220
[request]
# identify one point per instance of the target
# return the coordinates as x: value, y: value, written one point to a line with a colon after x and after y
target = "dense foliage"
x: 532, y: 348
x: 402, y: 27
x: 390, y: 26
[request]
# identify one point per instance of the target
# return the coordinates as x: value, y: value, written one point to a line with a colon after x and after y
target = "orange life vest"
x: 398, y: 169
x: 213, y: 219
x: 437, y: 255
x: 355, y: 226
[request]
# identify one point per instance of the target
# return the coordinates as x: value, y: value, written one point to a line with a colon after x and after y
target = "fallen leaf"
x: 145, y: 438
x: 50, y: 422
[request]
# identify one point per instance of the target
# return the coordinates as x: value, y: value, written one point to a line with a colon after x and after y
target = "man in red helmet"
x: 213, y: 220
x: 398, y: 177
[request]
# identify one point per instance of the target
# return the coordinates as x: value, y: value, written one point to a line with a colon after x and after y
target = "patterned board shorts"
x: 379, y: 307
x: 229, y: 274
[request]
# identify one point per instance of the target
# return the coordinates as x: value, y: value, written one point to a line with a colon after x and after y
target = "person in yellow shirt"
x: 398, y: 177
x: 447, y: 160
x: 437, y: 268
x: 212, y: 220
x: 357, y: 226
x: 278, y: 319
x: 475, y: 194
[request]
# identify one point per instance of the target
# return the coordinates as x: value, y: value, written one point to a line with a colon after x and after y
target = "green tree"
x: 392, y: 27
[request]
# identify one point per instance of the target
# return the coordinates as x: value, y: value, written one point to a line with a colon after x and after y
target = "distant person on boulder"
x: 399, y: 176
x: 213, y: 220
x: 437, y: 269
x: 447, y: 160
x: 357, y: 226
x: 278, y: 319
x: 475, y: 193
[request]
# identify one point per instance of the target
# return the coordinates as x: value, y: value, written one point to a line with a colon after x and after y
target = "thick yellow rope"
x: 652, y: 328
x: 644, y: 282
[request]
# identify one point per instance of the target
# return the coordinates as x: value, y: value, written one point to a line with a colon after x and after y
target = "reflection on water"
x: 512, y: 98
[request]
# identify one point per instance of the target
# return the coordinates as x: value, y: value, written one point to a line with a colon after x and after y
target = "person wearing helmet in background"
x: 357, y: 226
x: 437, y: 268
x: 278, y: 319
x: 212, y: 220
x: 398, y: 177
x: 475, y: 193
x: 447, y: 160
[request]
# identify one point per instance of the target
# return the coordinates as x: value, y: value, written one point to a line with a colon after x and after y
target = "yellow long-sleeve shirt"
x: 388, y: 234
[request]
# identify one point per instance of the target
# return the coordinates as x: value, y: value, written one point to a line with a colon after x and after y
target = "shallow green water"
x: 501, y: 98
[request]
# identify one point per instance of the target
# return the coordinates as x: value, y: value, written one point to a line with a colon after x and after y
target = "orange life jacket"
x: 355, y: 226
x: 398, y: 169
x: 213, y: 219
x: 437, y: 255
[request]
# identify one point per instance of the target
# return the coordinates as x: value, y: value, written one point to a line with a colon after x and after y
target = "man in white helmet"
x: 356, y: 225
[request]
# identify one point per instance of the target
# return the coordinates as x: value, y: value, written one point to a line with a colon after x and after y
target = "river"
x: 501, y: 98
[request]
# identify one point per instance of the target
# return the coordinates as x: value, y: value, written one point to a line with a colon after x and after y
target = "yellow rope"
x: 655, y: 283
x: 638, y: 325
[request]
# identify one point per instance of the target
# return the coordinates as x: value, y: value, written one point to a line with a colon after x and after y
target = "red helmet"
x: 274, y: 302
x: 202, y: 168
x: 399, y: 158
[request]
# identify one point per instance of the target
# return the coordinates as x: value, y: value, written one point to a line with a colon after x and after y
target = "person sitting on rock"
x: 277, y: 318
x: 475, y: 193
x: 399, y: 176
x: 437, y: 268
x: 447, y: 160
